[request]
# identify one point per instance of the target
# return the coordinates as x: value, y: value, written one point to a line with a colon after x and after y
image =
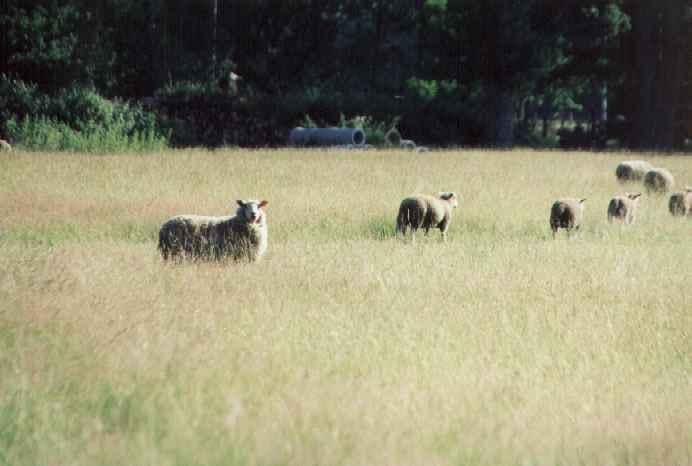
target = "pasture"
x: 344, y: 345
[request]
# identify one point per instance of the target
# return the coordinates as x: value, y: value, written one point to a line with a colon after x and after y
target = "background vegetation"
x: 455, y: 72
x: 345, y: 345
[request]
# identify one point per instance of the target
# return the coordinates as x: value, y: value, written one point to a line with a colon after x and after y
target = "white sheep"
x: 5, y: 146
x: 658, y: 180
x: 632, y: 170
x: 241, y: 237
x: 680, y: 204
x: 426, y: 211
x: 566, y: 213
x: 624, y: 207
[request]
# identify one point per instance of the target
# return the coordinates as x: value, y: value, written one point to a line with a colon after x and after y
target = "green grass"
x: 344, y: 345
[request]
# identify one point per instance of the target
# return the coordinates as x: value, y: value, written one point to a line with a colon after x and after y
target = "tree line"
x: 497, y: 72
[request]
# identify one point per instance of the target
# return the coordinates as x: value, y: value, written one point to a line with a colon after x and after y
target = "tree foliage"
x: 454, y: 71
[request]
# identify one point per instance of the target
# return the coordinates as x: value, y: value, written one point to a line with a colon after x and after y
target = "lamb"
x: 426, y: 211
x: 624, y: 207
x: 658, y: 180
x: 241, y: 237
x: 632, y: 170
x: 680, y: 204
x: 5, y: 146
x: 566, y: 213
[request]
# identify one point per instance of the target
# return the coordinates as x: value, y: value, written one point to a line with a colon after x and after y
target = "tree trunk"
x: 504, y: 119
x: 214, y: 34
x: 659, y: 44
x: 644, y: 29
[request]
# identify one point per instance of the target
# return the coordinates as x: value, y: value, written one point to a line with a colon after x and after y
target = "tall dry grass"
x: 345, y: 345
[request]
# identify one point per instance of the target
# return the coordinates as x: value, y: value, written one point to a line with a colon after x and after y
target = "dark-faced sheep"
x: 426, y: 211
x: 566, y: 213
x: 624, y: 207
x: 241, y: 237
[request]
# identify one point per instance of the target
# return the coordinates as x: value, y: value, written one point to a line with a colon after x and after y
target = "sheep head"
x: 251, y: 210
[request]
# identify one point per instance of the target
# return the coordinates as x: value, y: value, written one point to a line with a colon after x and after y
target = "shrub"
x: 77, y: 119
x: 42, y: 133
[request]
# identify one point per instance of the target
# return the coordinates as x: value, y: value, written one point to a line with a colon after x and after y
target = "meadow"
x: 344, y: 345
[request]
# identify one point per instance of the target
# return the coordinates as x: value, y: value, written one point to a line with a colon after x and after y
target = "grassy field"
x: 345, y: 345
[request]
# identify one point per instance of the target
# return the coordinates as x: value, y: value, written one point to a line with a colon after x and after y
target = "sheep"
x: 658, y: 180
x: 624, y: 207
x: 566, y: 213
x: 426, y: 211
x: 240, y: 237
x: 680, y: 204
x: 5, y: 146
x: 632, y: 170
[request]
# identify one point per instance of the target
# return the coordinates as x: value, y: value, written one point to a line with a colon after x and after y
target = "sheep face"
x: 451, y: 198
x: 252, y: 211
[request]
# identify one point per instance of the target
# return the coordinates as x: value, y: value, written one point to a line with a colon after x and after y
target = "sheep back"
x: 680, y: 203
x: 632, y: 170
x: 566, y: 213
x: 658, y: 180
x: 623, y: 207
x: 423, y: 211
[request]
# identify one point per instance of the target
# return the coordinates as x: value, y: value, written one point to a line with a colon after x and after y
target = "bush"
x: 43, y: 133
x: 18, y: 100
x: 77, y: 119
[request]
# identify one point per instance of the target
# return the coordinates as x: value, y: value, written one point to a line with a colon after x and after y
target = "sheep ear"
x: 263, y: 204
x: 240, y: 203
x: 581, y: 201
x: 635, y: 195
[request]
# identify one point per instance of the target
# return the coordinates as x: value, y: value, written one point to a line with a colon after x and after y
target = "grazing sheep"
x: 658, y: 180
x: 566, y: 213
x: 624, y: 207
x: 632, y: 170
x: 5, y: 146
x: 241, y: 237
x: 425, y: 211
x: 680, y: 204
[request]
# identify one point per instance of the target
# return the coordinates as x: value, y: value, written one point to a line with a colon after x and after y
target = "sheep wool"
x: 426, y: 211
x: 680, y: 203
x: 624, y: 207
x: 659, y: 181
x: 632, y: 170
x: 242, y: 237
x: 566, y: 213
